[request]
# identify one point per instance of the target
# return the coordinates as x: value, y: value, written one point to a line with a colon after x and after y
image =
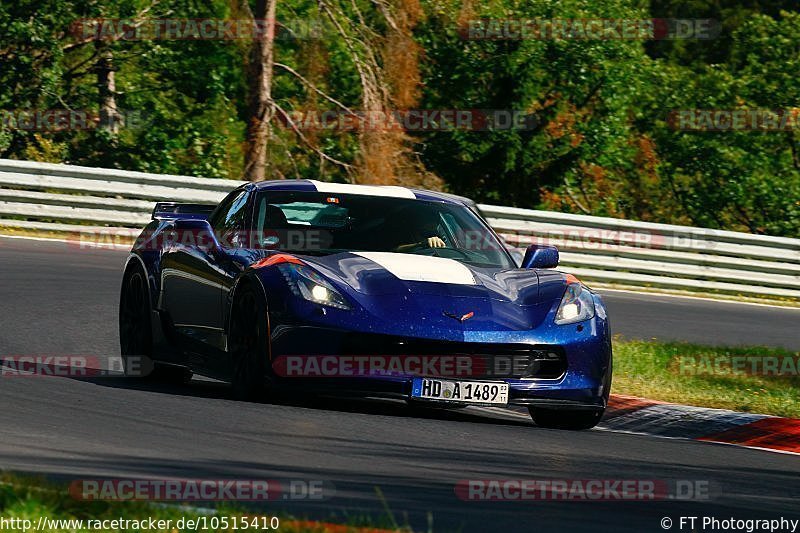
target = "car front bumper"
x: 582, y: 383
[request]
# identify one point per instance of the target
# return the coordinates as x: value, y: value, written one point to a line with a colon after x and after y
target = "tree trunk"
x: 107, y: 88
x: 259, y: 86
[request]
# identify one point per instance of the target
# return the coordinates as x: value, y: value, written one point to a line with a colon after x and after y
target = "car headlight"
x: 577, y: 305
x: 306, y: 283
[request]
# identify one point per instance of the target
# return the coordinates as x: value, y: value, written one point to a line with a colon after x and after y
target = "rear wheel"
x: 248, y: 344
x: 135, y: 334
x: 135, y: 337
x: 565, y: 419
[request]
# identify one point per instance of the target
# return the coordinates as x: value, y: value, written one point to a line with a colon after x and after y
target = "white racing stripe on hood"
x: 412, y: 267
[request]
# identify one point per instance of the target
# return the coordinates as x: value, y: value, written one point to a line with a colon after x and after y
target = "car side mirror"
x: 540, y: 256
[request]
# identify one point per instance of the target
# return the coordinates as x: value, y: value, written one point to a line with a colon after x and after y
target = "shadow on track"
x: 201, y: 387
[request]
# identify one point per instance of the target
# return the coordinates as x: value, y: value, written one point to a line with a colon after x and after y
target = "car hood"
x: 442, y: 292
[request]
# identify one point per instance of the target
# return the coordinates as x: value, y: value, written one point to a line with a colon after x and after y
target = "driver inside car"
x: 420, y: 229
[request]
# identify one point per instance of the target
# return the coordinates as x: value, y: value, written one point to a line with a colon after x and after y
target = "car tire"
x: 135, y: 334
x: 248, y: 344
x: 565, y: 419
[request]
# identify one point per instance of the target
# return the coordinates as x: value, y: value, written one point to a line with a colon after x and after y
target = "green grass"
x: 690, y: 374
x: 27, y: 498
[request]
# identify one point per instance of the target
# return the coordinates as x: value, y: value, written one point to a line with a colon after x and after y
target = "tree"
x: 259, y: 72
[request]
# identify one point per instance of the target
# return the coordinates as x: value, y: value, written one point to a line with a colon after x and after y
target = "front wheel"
x: 248, y: 344
x: 565, y: 418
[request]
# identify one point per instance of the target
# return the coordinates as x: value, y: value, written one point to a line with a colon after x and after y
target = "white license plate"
x: 483, y: 392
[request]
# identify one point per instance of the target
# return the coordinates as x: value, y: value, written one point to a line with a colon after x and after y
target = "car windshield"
x: 324, y: 223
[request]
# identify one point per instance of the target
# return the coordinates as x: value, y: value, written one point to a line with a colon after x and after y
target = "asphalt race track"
x: 58, y: 299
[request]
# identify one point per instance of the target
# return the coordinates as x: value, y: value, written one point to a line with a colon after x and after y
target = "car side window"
x: 229, y: 221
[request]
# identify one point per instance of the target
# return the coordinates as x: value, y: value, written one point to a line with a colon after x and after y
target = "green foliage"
x: 578, y: 91
x: 745, y: 180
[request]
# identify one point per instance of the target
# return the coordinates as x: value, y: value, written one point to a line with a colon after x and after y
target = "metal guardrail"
x: 628, y: 252
x: 52, y: 197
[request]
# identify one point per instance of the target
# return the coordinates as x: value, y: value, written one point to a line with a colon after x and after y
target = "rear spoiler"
x: 173, y: 210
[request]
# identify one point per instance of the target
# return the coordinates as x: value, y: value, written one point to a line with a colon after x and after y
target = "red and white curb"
x: 662, y: 419
x: 629, y: 414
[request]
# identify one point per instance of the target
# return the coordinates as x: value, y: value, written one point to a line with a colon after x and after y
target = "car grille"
x: 498, y: 360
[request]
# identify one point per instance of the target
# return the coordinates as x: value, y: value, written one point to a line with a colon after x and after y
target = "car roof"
x: 366, y: 190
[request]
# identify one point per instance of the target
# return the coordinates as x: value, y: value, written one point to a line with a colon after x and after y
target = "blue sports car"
x: 367, y: 290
